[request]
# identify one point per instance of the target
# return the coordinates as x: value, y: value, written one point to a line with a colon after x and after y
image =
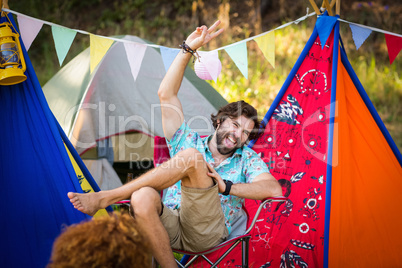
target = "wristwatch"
x: 228, y: 187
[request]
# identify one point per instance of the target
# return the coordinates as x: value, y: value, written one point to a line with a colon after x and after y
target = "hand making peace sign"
x: 203, y: 35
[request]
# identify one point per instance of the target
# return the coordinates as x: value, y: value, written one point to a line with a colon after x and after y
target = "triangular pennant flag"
x: 63, y: 38
x: 29, y: 29
x: 168, y: 55
x: 359, y: 34
x: 324, y: 27
x: 99, y: 47
x: 238, y: 53
x: 394, y: 44
x: 135, y: 53
x: 267, y: 45
x: 208, y: 62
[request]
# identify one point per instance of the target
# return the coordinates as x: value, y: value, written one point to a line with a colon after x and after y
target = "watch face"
x: 228, y: 187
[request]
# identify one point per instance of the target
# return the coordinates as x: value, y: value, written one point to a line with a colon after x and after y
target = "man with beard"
x: 208, y: 178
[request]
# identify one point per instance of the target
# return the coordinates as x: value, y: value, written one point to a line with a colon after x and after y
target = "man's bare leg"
x: 188, y: 166
x: 146, y: 204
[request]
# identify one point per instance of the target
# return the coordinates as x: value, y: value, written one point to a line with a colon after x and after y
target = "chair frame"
x: 243, y: 239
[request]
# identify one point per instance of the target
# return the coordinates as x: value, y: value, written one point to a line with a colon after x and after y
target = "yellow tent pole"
x: 327, y: 6
x: 333, y: 2
x: 4, y: 4
x: 338, y: 7
x: 315, y: 7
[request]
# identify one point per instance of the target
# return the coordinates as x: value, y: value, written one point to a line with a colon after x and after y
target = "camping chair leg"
x: 187, y: 263
x: 223, y: 255
x: 184, y: 259
x: 244, y: 257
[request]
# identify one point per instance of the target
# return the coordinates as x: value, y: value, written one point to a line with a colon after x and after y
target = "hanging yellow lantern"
x: 12, y: 63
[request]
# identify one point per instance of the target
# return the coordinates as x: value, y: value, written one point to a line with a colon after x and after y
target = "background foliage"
x: 169, y: 22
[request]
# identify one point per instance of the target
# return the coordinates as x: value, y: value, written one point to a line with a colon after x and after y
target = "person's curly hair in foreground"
x: 113, y: 241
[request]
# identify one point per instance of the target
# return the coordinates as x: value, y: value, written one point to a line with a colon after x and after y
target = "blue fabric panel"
x: 330, y: 141
x: 324, y: 26
x: 80, y: 163
x: 77, y: 158
x: 105, y: 150
x: 35, y: 176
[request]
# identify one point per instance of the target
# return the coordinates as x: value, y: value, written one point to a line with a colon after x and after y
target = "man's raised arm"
x: 172, y: 111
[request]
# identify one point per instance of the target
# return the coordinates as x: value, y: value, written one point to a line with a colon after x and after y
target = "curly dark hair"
x: 107, y: 241
x: 236, y: 109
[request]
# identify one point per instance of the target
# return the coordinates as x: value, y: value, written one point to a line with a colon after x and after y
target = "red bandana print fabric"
x: 294, y: 145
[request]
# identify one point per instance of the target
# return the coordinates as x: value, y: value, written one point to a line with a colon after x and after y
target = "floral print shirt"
x: 242, y: 167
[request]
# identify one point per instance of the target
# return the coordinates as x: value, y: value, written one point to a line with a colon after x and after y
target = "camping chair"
x: 232, y: 242
x: 240, y: 234
x: 241, y: 230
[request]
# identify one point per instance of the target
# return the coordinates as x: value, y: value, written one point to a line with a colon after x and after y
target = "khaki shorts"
x: 199, y: 223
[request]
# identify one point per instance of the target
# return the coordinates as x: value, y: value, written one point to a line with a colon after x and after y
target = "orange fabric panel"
x: 366, y: 218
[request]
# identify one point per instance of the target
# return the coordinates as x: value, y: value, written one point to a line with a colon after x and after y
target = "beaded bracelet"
x: 188, y: 49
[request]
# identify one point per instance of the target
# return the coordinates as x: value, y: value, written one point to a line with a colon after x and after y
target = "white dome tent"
x: 107, y: 114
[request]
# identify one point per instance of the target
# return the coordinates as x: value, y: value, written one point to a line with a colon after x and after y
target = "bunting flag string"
x: 266, y: 43
x: 168, y: 54
x: 324, y: 27
x: 394, y: 45
x: 359, y: 34
x: 264, y: 33
x: 29, y: 29
x: 135, y: 55
x: 238, y: 53
x: 371, y: 28
x: 64, y: 37
x: 98, y: 48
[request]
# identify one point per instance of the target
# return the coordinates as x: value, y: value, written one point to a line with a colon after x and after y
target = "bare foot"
x: 88, y: 203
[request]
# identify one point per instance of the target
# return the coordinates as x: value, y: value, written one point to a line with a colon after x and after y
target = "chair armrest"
x: 263, y: 203
x: 122, y: 202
